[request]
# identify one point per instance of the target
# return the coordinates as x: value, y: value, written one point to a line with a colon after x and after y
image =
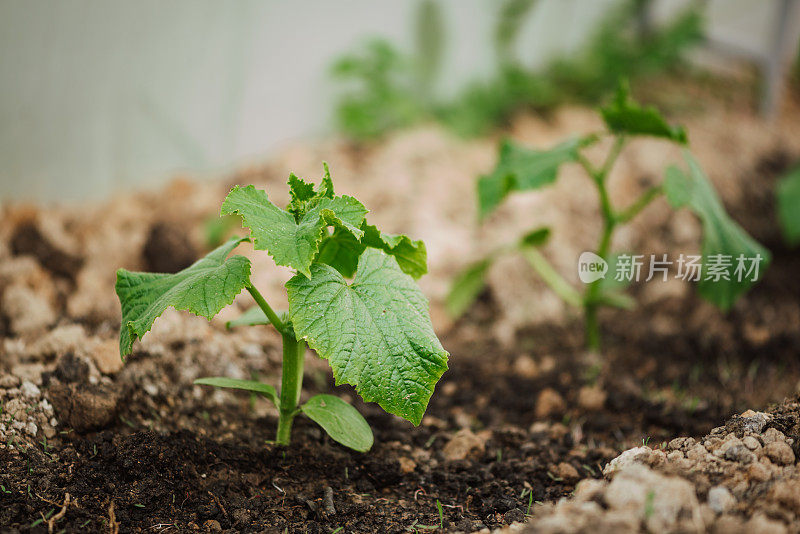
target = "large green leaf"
x: 376, y: 333
x: 522, y: 169
x: 466, y: 288
x: 292, y: 238
x: 722, y: 236
x: 789, y: 206
x: 341, y: 421
x: 203, y: 288
x: 624, y: 116
x: 247, y: 385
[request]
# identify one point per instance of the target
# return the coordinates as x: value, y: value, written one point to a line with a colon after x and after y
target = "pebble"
x: 751, y: 443
x: 549, y: 403
x: 720, y: 499
x: 591, y: 398
x: 779, y: 452
x: 9, y: 381
x: 30, y: 390
x: 462, y: 444
x: 566, y: 471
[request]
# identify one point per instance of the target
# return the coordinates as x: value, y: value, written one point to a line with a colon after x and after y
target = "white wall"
x: 97, y: 95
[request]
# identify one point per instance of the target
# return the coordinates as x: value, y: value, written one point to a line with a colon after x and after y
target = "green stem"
x: 551, y: 276
x: 267, y: 309
x: 591, y: 300
x: 291, y: 382
x: 639, y: 204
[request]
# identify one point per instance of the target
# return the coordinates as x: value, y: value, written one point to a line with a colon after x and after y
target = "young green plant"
x: 375, y: 331
x: 523, y: 169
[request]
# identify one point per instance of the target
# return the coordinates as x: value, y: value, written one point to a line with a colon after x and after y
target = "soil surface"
x: 524, y: 414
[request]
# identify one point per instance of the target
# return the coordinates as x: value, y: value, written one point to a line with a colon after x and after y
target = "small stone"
x: 591, y: 398
x: 779, y: 452
x: 462, y: 444
x: 758, y: 472
x: 549, y: 403
x: 751, y: 443
x: 526, y: 367
x: 761, y: 524
x: 772, y: 434
x: 636, y: 455
x: 29, y: 390
x: 31, y: 429
x: 27, y: 311
x: 9, y: 381
x: 720, y: 499
x: 407, y: 465
x: 566, y: 472
x: 754, y: 422
x: 675, y: 456
x: 49, y: 431
x: 739, y: 453
x: 106, y: 356
x: 212, y: 525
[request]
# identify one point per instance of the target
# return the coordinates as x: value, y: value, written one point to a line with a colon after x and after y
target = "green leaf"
x: 247, y: 385
x: 788, y: 194
x: 203, y: 288
x: 721, y: 235
x: 536, y: 238
x: 466, y: 288
x: 522, y: 169
x: 341, y: 251
x: 376, y: 333
x: 251, y: 317
x: 624, y: 116
x: 412, y: 256
x: 341, y: 421
x: 292, y: 243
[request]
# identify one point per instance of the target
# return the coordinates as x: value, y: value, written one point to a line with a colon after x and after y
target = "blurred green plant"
x: 390, y: 90
x: 788, y: 197
x: 522, y: 169
x: 386, y: 89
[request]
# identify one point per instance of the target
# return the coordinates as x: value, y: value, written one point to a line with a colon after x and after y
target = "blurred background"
x: 99, y: 97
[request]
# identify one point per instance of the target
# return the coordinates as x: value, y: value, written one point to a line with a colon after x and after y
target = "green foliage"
x: 380, y: 95
x: 721, y: 235
x: 466, y: 287
x: 522, y: 169
x: 429, y: 30
x: 623, y: 116
x: 788, y: 196
x: 247, y: 385
x: 340, y: 420
x: 375, y: 332
x: 510, y: 19
x: 203, y: 288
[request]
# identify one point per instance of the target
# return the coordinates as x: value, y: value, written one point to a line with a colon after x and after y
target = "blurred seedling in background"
x: 522, y: 169
x: 788, y: 196
x: 385, y: 88
x: 375, y: 331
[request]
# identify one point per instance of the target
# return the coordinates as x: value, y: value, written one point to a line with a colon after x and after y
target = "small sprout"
x: 732, y: 260
x: 441, y: 513
x: 326, y: 240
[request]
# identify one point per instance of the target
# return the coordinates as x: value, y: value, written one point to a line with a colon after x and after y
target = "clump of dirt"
x: 741, y: 477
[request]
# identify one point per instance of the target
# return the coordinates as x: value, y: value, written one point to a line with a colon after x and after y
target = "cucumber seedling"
x: 375, y: 331
x: 725, y: 248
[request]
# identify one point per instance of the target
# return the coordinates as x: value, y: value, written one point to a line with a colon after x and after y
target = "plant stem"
x: 551, y: 277
x: 291, y: 382
x: 267, y: 309
x: 294, y: 352
x: 591, y: 301
x: 639, y: 204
